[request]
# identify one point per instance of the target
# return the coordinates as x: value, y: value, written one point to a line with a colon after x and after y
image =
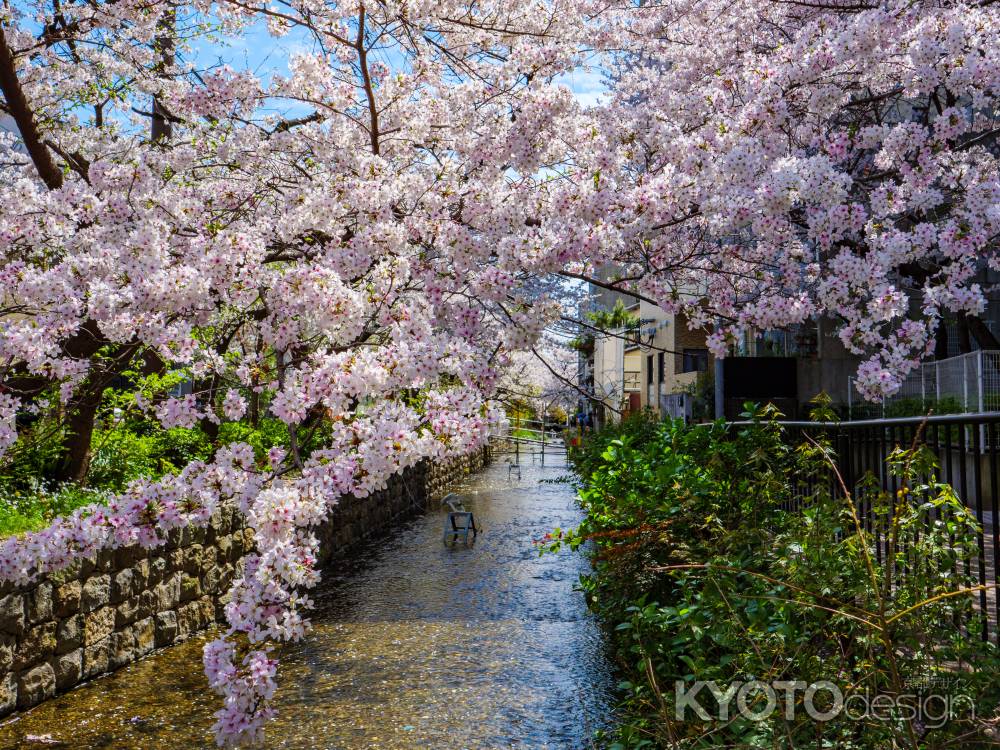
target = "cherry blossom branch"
x: 20, y: 110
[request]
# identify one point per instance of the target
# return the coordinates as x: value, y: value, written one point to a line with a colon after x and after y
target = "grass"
x: 35, y: 508
x: 522, y: 432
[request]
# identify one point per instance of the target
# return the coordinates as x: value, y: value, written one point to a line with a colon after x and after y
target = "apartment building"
x: 655, y: 362
x: 670, y: 356
x: 652, y: 363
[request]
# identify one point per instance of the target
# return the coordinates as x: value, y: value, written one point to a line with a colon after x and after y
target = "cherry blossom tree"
x: 759, y: 164
x: 545, y: 376
x: 343, y: 239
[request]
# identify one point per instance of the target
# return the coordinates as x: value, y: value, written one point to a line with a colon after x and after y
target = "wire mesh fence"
x: 957, y: 385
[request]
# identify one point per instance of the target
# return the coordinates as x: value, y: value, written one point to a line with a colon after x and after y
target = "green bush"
x: 268, y: 434
x: 35, y: 507
x: 122, y: 450
x: 126, y: 444
x: 918, y: 407
x: 34, y: 456
x: 907, y: 407
x: 120, y: 455
x: 701, y: 574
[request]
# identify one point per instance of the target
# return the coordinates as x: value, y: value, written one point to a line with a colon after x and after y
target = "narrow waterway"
x: 414, y: 645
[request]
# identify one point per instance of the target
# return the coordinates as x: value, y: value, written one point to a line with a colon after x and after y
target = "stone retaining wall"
x: 116, y: 607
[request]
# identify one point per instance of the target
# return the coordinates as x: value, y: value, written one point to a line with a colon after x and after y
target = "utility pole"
x: 720, y: 394
x: 160, y: 125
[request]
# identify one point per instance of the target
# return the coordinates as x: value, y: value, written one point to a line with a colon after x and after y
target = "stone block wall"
x: 116, y: 607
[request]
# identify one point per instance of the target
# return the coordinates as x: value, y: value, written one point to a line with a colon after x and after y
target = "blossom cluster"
x: 770, y: 164
x: 144, y: 515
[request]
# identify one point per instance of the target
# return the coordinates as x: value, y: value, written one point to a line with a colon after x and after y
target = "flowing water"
x: 414, y: 645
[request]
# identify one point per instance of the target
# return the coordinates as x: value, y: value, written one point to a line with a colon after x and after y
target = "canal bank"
x: 115, y: 607
x: 414, y: 645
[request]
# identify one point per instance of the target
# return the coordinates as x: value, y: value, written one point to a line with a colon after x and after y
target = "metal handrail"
x: 982, y: 417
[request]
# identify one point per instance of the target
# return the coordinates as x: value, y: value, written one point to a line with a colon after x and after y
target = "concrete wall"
x: 116, y: 607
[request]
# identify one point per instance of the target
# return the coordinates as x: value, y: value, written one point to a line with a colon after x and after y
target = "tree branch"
x: 359, y: 44
x: 608, y: 286
x: 20, y: 110
x: 571, y: 384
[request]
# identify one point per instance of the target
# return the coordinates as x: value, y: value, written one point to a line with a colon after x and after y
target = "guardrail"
x: 534, y: 446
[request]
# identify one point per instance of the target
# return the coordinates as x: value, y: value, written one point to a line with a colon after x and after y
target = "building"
x: 671, y: 356
x: 650, y: 363
x: 659, y: 363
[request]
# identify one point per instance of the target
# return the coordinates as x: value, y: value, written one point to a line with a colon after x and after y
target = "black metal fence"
x: 967, y: 447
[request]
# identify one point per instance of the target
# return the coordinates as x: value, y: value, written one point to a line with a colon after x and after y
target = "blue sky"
x: 264, y: 54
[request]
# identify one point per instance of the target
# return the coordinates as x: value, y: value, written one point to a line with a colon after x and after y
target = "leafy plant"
x: 709, y: 566
x: 34, y: 507
x: 616, y: 317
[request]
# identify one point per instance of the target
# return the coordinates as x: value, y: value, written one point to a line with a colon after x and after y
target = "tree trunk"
x: 207, y: 388
x: 253, y: 413
x: 82, y: 414
x: 161, y: 128
x: 80, y: 430
x: 16, y: 104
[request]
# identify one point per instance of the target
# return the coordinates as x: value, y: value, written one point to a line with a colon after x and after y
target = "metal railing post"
x: 543, y: 441
x: 965, y: 383
x: 979, y: 380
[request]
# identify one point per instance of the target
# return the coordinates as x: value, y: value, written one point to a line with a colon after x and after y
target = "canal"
x: 414, y: 645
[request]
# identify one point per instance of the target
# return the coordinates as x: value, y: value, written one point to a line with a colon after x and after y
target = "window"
x: 649, y: 370
x: 695, y: 360
x: 660, y: 368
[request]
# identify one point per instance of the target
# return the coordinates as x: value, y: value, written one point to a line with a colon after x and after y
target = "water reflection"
x: 414, y: 646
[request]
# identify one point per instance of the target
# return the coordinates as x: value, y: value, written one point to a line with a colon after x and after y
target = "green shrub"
x: 34, y: 456
x: 126, y: 444
x: 906, y: 407
x: 701, y: 574
x: 119, y: 455
x: 35, y: 508
x: 919, y: 407
x: 268, y: 434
